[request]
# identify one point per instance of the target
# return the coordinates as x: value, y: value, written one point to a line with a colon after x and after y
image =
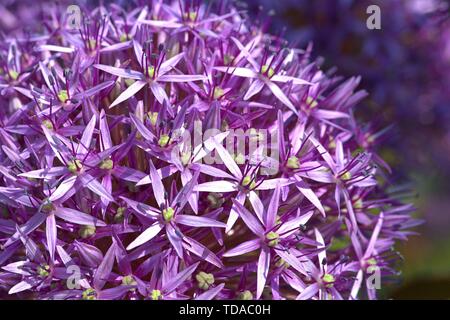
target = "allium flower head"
x: 176, y: 151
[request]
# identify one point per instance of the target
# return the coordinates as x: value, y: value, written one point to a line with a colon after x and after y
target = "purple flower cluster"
x: 404, y: 66
x: 102, y: 196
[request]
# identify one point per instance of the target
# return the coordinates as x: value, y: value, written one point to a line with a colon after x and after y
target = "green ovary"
x: 168, y: 214
x: 204, y: 280
x: 156, y: 295
x: 164, y: 140
x: 273, y: 239
x: 74, y: 166
x: 107, y: 164
x: 86, y: 231
x: 293, y: 163
x: 248, y: 182
x: 89, y: 294
x: 63, y: 95
x: 267, y: 70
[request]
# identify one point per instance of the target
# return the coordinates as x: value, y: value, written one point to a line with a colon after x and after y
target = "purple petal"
x: 129, y: 92
x: 211, y: 293
x: 92, y: 184
x: 272, y: 210
x: 196, y: 221
x: 175, y: 238
x: 216, y: 186
x: 104, y: 269
x: 243, y: 248
x: 252, y: 223
x: 159, y: 92
x: 141, y: 128
x: 123, y: 73
x: 263, y: 271
x: 201, y: 251
x: 309, y: 292
x: 254, y: 89
x: 157, y: 186
x: 146, y: 236
x: 179, y: 278
x: 50, y: 231
x: 78, y: 217
x: 86, y: 138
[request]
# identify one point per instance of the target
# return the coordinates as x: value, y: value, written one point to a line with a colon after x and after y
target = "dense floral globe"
x: 404, y: 66
x: 177, y: 151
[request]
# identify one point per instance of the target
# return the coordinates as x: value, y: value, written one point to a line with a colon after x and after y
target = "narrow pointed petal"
x: 243, y: 248
x: 104, y: 269
x: 216, y: 186
x: 146, y: 236
x: 211, y: 293
x: 252, y: 223
x: 86, y: 138
x: 128, y: 93
x: 201, y: 251
x: 180, y: 278
x: 157, y: 186
x: 238, y: 71
x: 280, y: 95
x: 50, y: 230
x: 169, y: 64
x: 63, y: 188
x: 263, y: 271
x: 254, y: 89
x: 92, y: 184
x: 309, y: 292
x: 197, y: 221
x: 159, y: 92
x: 120, y: 72
x: 78, y: 217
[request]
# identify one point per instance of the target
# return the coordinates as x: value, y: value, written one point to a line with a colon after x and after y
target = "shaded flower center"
x: 185, y: 158
x: 13, y: 74
x: 124, y: 37
x: 215, y: 200
x: 204, y: 280
x: 218, y: 92
x: 119, y: 216
x: 228, y: 59
x: 273, y: 239
x: 89, y: 294
x: 267, y: 70
x: 311, y: 102
x: 48, y: 124
x: 92, y: 44
x: 282, y: 264
x: 192, y: 15
x: 328, y: 280
x: 128, y: 281
x: 63, y: 95
x: 293, y: 163
x: 156, y: 295
x: 43, y: 270
x: 86, y: 231
x: 151, y: 71
x: 74, y: 166
x: 168, y: 214
x: 245, y: 295
x: 239, y: 158
x: 153, y: 117
x: 107, y: 164
x: 346, y: 176
x: 164, y: 140
x: 48, y: 207
x: 248, y: 182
